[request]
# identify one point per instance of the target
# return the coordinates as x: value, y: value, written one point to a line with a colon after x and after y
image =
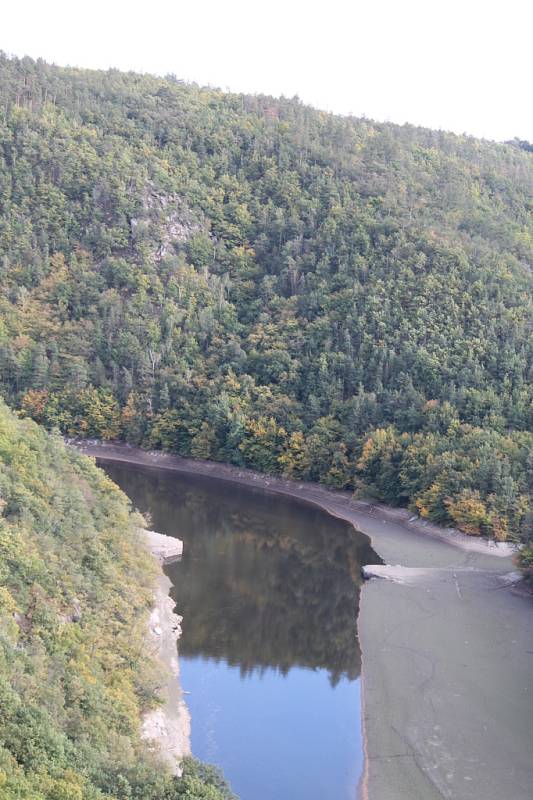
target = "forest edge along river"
x: 447, y: 649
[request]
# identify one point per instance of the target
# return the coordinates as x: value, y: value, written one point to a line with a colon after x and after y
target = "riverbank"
x: 166, y: 728
x: 446, y: 684
x: 368, y: 517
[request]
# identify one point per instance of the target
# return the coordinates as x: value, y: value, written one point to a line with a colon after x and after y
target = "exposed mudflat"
x: 447, y: 649
x: 447, y: 663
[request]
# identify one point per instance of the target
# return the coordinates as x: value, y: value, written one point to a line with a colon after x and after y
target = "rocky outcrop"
x: 168, y: 220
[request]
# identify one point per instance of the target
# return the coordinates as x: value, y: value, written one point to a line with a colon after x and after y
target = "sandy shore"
x: 167, y: 728
x: 447, y: 648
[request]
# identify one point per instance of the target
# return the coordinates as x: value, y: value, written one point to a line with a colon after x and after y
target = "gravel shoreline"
x: 167, y: 728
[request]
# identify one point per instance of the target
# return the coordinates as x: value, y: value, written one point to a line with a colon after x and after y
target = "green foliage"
x: 75, y: 589
x: 253, y: 281
x: 202, y: 782
x: 525, y: 561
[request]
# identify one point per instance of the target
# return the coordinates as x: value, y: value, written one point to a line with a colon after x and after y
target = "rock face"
x: 168, y: 219
x: 165, y: 548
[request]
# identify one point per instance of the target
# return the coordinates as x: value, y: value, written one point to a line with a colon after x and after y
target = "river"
x: 270, y: 659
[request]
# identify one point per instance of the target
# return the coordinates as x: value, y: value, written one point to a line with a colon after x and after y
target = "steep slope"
x: 75, y: 588
x: 250, y: 280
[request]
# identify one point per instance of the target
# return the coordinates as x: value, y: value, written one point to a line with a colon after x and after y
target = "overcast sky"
x: 461, y: 65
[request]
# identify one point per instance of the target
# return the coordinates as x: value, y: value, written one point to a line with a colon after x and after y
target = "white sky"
x: 462, y: 65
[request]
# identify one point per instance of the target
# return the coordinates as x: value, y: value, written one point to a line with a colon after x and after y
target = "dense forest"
x: 251, y: 280
x: 75, y: 589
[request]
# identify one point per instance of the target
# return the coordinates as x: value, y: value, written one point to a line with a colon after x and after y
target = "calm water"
x: 269, y: 591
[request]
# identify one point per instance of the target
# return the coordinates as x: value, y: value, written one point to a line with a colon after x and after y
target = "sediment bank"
x: 447, y: 648
x: 166, y: 728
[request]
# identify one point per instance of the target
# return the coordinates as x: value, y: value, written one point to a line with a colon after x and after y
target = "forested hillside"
x: 251, y: 280
x: 75, y: 588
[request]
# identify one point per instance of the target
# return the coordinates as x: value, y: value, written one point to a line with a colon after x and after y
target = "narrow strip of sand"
x: 166, y: 728
x: 447, y: 648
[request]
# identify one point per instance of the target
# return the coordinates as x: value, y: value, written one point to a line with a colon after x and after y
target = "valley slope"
x: 254, y: 281
x: 76, y: 585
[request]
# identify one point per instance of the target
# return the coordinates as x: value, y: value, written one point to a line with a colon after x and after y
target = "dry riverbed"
x: 447, y: 648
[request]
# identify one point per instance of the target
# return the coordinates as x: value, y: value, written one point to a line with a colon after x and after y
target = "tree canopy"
x: 248, y: 279
x: 76, y: 585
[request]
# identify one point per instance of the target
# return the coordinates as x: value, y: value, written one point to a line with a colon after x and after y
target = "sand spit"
x: 409, y: 575
x: 166, y: 549
x: 166, y: 728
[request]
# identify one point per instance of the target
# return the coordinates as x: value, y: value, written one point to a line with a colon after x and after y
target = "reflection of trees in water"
x: 264, y: 581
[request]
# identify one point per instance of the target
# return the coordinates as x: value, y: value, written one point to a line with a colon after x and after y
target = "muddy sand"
x: 447, y: 644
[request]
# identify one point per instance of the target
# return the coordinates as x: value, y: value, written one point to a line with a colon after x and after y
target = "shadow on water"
x: 266, y: 583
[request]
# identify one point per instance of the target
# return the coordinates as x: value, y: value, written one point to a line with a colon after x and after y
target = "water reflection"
x: 264, y: 581
x: 269, y: 591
